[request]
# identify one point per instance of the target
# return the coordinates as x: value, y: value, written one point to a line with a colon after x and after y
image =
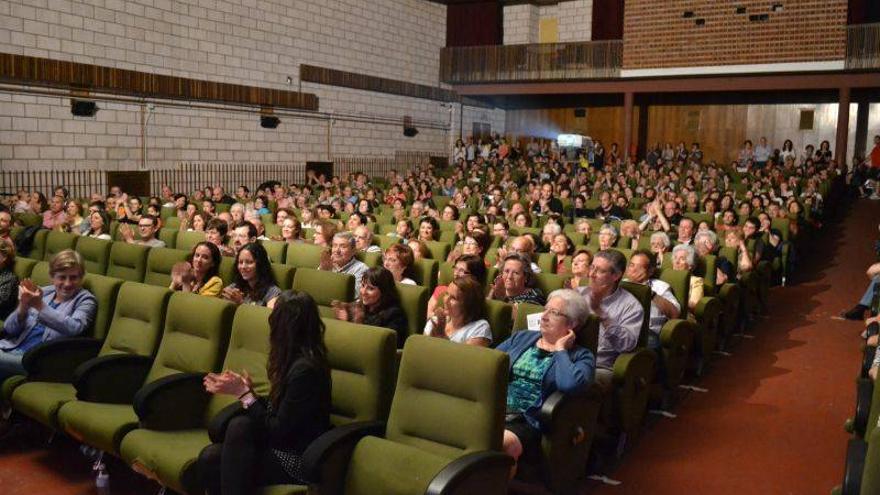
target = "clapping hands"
x: 228, y: 383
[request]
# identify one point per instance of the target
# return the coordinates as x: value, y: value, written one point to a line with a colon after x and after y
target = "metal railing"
x: 541, y: 61
x: 79, y: 183
x: 863, y: 46
x: 189, y: 176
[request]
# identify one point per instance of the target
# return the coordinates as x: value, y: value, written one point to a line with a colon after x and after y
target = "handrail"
x: 540, y: 61
x: 863, y: 46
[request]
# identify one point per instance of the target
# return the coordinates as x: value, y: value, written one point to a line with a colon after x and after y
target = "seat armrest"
x: 677, y: 334
x: 856, y: 452
x: 485, y: 472
x: 638, y: 365
x: 112, y: 379
x: 173, y: 402
x: 219, y: 423
x: 868, y: 352
x: 56, y: 360
x: 864, y: 397
x: 560, y: 405
x: 708, y: 307
x: 325, y: 461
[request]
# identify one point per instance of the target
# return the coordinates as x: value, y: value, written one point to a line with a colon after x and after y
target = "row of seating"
x: 133, y: 389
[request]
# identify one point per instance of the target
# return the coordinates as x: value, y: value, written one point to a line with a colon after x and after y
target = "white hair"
x: 576, y: 307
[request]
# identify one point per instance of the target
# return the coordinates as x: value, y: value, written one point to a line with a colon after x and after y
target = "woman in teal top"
x: 542, y: 363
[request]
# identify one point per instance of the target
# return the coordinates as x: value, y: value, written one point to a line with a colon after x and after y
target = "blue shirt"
x: 35, y: 336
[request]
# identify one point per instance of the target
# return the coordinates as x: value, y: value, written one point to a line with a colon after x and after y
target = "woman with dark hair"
x: 201, y: 271
x: 99, y: 226
x: 562, y: 247
x: 291, y: 231
x: 379, y: 304
x: 264, y: 445
x: 461, y: 318
x: 252, y: 282
x: 516, y: 283
x: 466, y: 265
x: 429, y: 229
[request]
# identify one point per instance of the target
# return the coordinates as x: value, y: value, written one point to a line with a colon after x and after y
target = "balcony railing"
x: 543, y: 61
x: 863, y: 46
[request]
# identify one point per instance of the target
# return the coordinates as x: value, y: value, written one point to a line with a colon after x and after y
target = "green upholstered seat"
x: 500, y: 317
x: 95, y: 254
x: 324, y: 287
x: 40, y: 274
x: 304, y: 255
x: 138, y: 312
x: 283, y: 275
x: 38, y: 249
x: 436, y: 418
x: 424, y: 272
x: 57, y: 242
x: 276, y: 250
x: 186, y: 241
x: 227, y: 269
x: 128, y: 261
x: 414, y: 301
x: 547, y: 262
x: 548, y: 282
x: 194, y: 340
x: 23, y: 267
x: 160, y: 261
x: 439, y: 250
x: 169, y: 237
x: 371, y: 259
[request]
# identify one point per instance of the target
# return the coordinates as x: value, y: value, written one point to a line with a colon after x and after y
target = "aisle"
x: 772, y: 421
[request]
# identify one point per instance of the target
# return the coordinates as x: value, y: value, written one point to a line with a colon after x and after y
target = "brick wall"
x: 250, y: 42
x: 657, y: 35
x: 521, y: 21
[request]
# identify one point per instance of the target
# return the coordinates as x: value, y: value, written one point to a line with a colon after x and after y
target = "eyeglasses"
x: 555, y: 313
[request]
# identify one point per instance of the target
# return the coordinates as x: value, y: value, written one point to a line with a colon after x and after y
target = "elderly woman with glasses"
x: 684, y: 258
x: 542, y: 363
x: 517, y: 281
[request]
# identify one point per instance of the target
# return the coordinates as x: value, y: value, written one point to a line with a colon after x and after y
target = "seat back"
x: 705, y: 267
x: 186, y: 241
x: 450, y: 398
x: 227, y: 269
x: 40, y: 274
x: 57, y: 242
x: 548, y: 282
x: 195, y: 336
x: 680, y: 281
x: 425, y: 272
x: 304, y: 255
x: 23, y: 267
x: 38, y: 250
x: 276, y: 250
x: 324, y: 286
x: 248, y: 350
x: 160, y: 261
x: 138, y: 319
x: 105, y: 290
x: 169, y: 237
x: 362, y: 361
x: 500, y: 317
x: 95, y: 254
x: 523, y: 310
x: 414, y: 301
x: 283, y: 275
x: 128, y: 261
x: 439, y: 250
x: 547, y: 262
x: 371, y: 259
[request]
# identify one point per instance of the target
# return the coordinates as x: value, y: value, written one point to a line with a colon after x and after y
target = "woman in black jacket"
x: 379, y: 304
x: 264, y: 446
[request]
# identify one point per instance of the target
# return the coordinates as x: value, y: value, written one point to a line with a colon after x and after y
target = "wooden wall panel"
x: 720, y: 129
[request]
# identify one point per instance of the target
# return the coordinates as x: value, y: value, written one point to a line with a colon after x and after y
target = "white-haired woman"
x: 542, y: 363
x: 683, y: 258
x: 660, y: 243
x: 607, y: 237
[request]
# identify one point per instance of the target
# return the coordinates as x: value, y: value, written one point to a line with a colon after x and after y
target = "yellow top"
x: 212, y: 287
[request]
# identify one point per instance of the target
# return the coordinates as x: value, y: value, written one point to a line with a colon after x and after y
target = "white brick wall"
x: 250, y: 42
x: 575, y: 21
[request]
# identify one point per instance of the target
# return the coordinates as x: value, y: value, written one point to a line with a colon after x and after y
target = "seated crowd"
x: 501, y: 221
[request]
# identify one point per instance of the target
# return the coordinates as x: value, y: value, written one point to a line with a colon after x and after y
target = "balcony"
x: 535, y: 62
x: 863, y: 46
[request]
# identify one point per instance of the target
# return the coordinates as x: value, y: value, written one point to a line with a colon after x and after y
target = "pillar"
x: 861, y: 137
x: 627, y: 122
x: 842, y: 126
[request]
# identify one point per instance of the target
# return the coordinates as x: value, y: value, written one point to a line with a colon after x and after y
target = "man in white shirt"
x: 664, y: 306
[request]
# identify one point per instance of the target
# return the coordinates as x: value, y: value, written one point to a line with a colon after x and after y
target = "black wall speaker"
x: 580, y: 113
x: 408, y: 129
x: 269, y: 121
x: 83, y: 108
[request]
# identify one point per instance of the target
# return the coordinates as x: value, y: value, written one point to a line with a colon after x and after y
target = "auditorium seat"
x: 160, y: 262
x: 38, y: 250
x: 677, y: 334
x: 193, y: 343
x: 186, y: 241
x: 443, y: 434
x: 302, y: 255
x: 137, y: 313
x: 425, y: 272
x: 174, y: 421
x: 548, y: 282
x: 95, y: 254
x: 371, y: 259
x: 414, y: 301
x: 40, y: 274
x: 23, y: 267
x: 439, y: 250
x: 325, y: 287
x: 128, y: 261
x: 57, y: 242
x: 276, y: 250
x: 283, y: 275
x: 169, y: 237
x: 500, y: 317
x: 547, y: 262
